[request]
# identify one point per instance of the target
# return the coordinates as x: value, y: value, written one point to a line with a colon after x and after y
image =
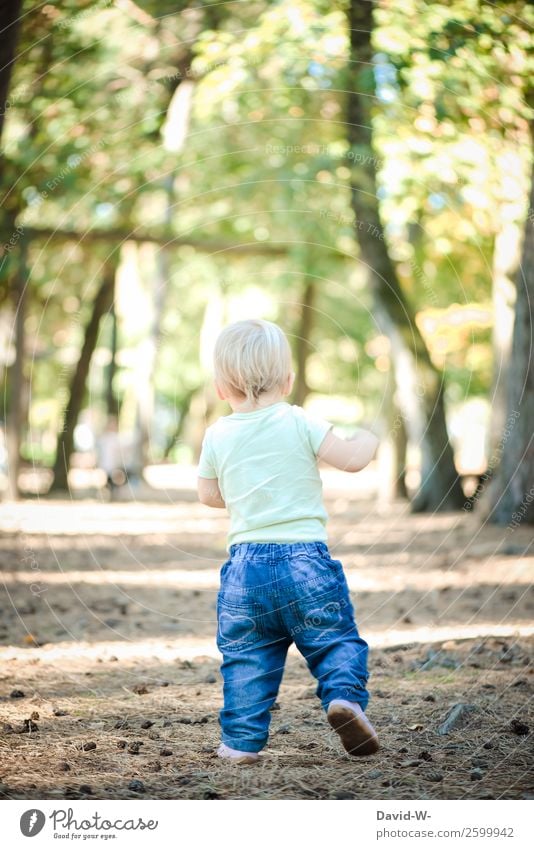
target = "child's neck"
x: 246, y: 406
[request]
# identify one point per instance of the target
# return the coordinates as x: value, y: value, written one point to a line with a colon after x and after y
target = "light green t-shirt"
x: 266, y: 464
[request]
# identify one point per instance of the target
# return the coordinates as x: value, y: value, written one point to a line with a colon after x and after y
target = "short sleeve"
x: 206, y: 467
x: 316, y: 429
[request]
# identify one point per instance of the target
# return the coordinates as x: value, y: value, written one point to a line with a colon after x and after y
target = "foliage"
x: 265, y: 161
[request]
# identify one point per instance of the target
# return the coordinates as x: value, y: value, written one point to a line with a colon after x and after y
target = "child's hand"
x: 350, y: 455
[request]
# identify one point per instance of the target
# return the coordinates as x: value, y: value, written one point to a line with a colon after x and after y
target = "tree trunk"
x: 160, y: 279
x: 303, y: 347
x: 400, y: 447
x: 512, y: 489
x: 10, y: 20
x: 392, y: 449
x: 15, y: 416
x: 506, y: 258
x: 174, y: 132
x: 112, y: 405
x: 440, y: 487
x: 182, y: 410
x: 399, y: 440
x: 65, y: 446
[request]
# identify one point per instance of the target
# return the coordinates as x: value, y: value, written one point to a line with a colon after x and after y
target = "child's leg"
x: 327, y: 636
x: 253, y: 665
x: 325, y: 632
x: 339, y: 665
x: 337, y: 657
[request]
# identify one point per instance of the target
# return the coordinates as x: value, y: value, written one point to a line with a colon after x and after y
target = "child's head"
x: 252, y: 358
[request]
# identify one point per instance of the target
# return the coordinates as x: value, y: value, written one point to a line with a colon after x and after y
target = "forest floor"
x: 109, y: 682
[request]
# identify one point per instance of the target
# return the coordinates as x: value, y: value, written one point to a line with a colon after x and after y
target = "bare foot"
x: 236, y: 757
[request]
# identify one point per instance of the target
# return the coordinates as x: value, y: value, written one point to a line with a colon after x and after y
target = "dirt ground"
x: 109, y: 682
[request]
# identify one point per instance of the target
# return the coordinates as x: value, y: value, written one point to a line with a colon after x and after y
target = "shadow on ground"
x: 110, y: 685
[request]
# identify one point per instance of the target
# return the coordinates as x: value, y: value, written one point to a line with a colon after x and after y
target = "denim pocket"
x: 319, y: 617
x: 238, y: 624
x: 320, y: 556
x: 327, y: 558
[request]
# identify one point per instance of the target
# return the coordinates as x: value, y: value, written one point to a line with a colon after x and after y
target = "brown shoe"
x: 356, y: 733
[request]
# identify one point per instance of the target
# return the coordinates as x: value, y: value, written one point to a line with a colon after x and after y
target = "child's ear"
x: 219, y: 393
x: 289, y: 384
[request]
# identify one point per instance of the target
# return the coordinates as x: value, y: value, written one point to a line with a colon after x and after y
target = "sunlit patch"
x: 194, y: 648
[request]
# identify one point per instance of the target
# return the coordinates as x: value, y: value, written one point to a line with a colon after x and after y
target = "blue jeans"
x: 272, y: 595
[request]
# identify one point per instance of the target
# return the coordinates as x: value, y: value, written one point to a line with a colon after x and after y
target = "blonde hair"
x: 252, y: 357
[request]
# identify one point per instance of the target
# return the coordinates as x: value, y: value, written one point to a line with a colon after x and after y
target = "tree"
x: 302, y: 341
x: 101, y: 307
x: 9, y: 22
x: 460, y: 70
x: 512, y: 490
x: 420, y: 384
x: 10, y: 25
x: 14, y: 419
x: 258, y: 200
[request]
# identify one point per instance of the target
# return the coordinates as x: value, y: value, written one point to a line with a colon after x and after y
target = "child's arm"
x: 209, y: 492
x: 350, y: 455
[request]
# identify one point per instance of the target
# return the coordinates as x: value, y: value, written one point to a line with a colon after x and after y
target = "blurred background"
x: 360, y: 173
x: 357, y: 172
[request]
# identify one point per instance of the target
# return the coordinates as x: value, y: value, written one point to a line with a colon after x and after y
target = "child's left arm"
x: 209, y: 492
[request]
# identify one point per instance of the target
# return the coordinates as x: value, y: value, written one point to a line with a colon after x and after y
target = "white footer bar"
x: 241, y: 823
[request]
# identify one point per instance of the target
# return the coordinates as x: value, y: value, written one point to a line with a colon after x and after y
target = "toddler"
x: 280, y: 584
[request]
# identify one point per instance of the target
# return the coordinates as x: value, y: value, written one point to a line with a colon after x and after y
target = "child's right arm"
x: 209, y: 492
x: 350, y: 455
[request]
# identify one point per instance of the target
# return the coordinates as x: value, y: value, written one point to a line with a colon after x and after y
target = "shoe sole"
x: 355, y: 735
